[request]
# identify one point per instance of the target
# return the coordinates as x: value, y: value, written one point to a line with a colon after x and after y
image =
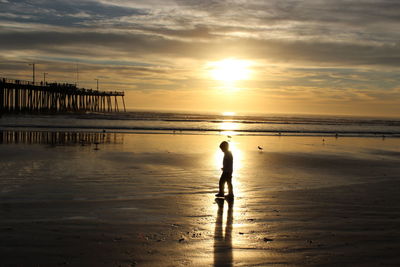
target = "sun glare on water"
x: 230, y: 70
x: 228, y: 113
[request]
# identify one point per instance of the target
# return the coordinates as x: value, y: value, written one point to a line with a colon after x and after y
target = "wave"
x: 286, y: 119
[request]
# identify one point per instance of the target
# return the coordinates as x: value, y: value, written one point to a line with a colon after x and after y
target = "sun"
x: 230, y: 70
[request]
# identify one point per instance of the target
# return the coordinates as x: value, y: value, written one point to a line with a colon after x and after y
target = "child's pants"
x: 226, y: 177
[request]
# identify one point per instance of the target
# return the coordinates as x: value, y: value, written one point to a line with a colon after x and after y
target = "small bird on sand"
x: 229, y: 136
x: 96, y: 143
x: 260, y: 148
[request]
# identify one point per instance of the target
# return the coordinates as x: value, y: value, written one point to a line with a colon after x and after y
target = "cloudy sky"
x: 315, y: 56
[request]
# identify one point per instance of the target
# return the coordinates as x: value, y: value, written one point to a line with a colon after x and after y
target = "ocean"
x: 197, y: 123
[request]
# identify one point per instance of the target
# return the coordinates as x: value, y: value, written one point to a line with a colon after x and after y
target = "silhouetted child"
x: 227, y: 169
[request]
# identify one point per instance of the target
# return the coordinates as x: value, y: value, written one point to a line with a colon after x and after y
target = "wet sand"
x: 148, y: 200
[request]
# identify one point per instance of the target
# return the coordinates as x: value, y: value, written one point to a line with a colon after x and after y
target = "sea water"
x: 178, y: 122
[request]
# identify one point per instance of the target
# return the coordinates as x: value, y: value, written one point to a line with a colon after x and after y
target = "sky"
x: 280, y: 56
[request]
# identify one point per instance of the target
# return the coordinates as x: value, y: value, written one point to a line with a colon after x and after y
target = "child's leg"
x: 230, y: 187
x: 221, y: 185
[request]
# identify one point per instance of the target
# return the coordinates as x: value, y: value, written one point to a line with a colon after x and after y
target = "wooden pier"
x: 27, y: 97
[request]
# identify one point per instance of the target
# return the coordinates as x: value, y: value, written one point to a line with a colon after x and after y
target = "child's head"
x: 224, y: 146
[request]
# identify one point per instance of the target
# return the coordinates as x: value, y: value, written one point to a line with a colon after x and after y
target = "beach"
x: 147, y: 199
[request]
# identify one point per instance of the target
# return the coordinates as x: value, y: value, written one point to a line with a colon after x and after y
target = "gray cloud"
x: 63, y: 13
x: 112, y: 44
x: 342, y: 21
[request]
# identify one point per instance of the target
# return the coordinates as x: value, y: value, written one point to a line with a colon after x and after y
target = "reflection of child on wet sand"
x: 227, y: 169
